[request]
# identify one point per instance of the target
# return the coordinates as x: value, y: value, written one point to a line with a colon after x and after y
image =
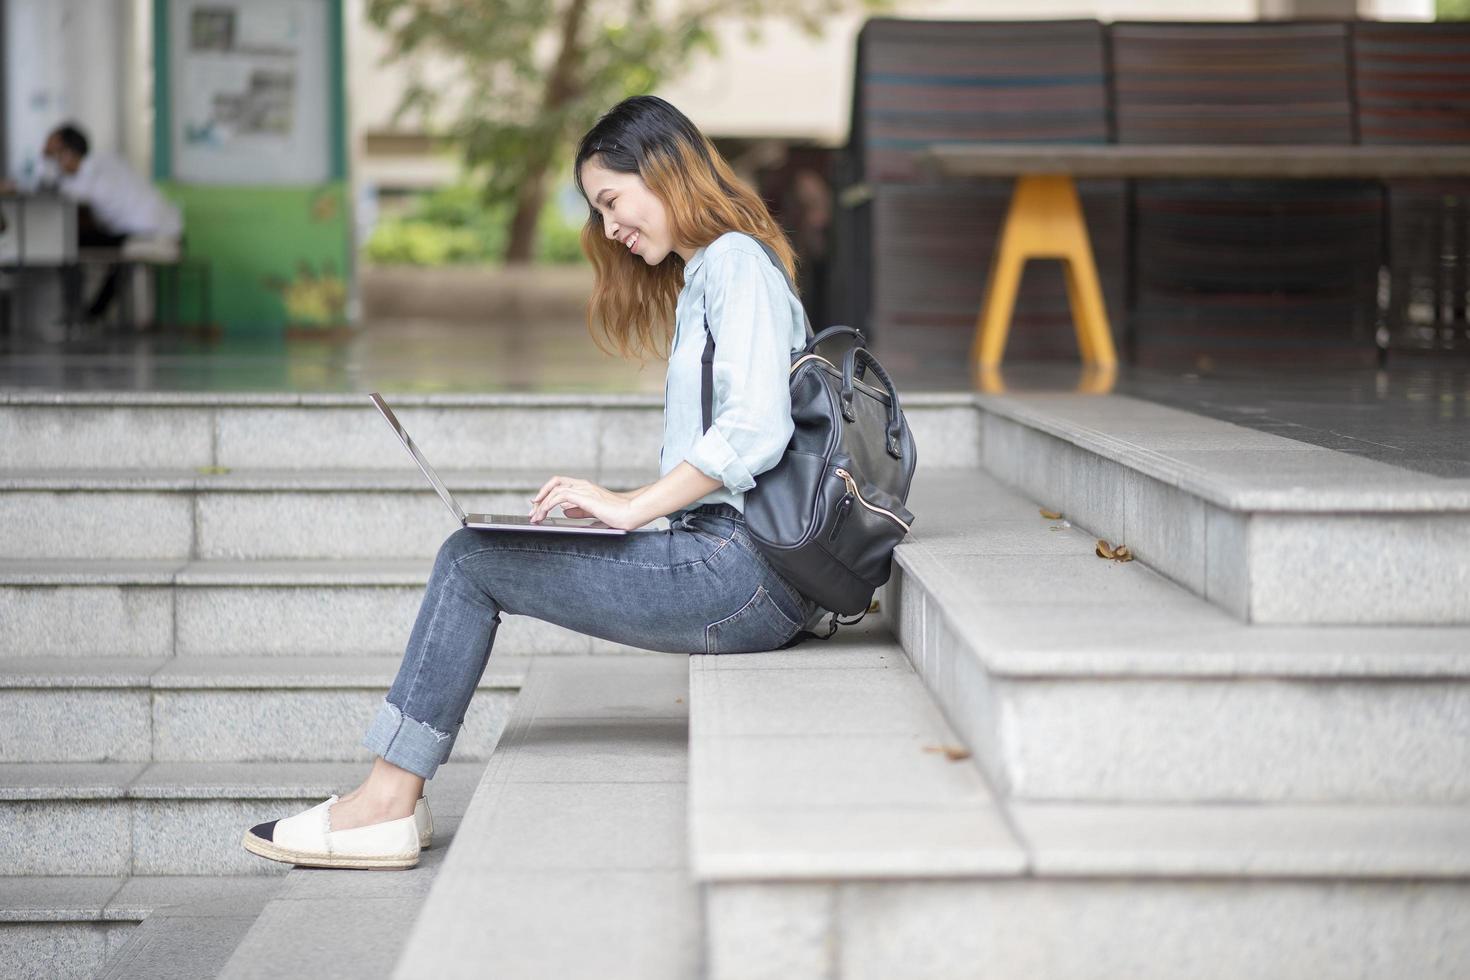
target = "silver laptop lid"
x: 418, y: 457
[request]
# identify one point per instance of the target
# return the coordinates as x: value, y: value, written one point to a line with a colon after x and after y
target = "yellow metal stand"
x: 1044, y: 222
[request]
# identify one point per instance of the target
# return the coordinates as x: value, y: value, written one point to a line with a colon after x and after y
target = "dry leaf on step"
x: 952, y: 752
x: 1050, y: 515
x: 1120, y: 553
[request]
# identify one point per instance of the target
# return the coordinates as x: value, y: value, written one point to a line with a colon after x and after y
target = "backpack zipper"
x: 844, y: 506
x: 853, y: 489
x: 877, y: 393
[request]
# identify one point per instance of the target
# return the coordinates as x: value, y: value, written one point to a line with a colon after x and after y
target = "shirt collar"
x: 695, y: 261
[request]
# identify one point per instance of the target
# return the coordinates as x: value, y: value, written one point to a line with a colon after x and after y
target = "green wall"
x: 279, y: 256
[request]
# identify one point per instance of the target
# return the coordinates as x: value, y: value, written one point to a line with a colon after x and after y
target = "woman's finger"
x: 559, y: 495
x: 545, y: 487
x: 554, y: 482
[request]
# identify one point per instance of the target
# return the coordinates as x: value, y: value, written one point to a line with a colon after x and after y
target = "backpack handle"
x: 811, y: 345
x: 895, y: 416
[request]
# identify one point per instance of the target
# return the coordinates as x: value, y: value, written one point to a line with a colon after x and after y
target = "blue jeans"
x: 701, y: 586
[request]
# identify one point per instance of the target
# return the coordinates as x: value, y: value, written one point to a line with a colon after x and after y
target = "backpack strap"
x: 707, y: 375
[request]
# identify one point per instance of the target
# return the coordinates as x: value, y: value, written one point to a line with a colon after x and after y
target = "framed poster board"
x: 250, y: 85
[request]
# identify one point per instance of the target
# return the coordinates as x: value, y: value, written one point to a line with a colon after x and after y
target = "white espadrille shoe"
x: 424, y: 820
x: 307, y: 839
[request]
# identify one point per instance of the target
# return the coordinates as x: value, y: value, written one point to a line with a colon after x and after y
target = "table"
x: 39, y: 231
x: 1044, y: 218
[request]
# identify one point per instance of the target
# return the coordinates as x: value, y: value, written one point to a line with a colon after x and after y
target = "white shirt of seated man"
x: 123, y: 202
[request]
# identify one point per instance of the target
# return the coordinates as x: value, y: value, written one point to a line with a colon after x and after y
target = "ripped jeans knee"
x: 407, y: 742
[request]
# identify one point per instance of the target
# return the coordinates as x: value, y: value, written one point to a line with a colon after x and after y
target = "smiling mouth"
x: 632, y: 242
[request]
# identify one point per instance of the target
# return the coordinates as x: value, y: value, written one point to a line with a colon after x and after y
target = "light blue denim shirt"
x: 757, y: 322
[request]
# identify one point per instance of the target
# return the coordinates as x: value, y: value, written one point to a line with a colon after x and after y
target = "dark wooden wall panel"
x: 1246, y: 270
x: 1412, y: 86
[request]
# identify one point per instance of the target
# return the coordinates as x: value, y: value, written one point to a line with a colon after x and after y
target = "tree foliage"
x: 533, y: 75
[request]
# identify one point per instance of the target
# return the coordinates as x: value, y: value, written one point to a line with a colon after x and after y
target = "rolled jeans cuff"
x: 406, y: 742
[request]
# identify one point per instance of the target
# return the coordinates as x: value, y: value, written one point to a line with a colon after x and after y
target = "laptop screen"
x: 418, y: 457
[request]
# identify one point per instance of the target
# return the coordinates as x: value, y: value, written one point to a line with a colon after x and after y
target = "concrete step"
x: 60, y: 927
x: 256, y: 514
x: 1079, y: 679
x: 832, y: 834
x: 366, y: 607
x: 550, y: 432
x: 1270, y: 529
x: 153, y: 430
x: 160, y: 818
x: 572, y: 859
x: 218, y: 709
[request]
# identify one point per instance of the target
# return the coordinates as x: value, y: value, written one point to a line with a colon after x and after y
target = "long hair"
x: 632, y: 302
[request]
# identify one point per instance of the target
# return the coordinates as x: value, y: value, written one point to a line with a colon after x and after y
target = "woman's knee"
x: 460, y: 543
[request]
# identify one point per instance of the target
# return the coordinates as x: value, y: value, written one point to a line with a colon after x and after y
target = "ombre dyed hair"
x: 633, y: 302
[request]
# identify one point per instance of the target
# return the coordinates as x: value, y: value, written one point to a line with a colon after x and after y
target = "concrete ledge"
x: 223, y: 709
x: 1270, y: 529
x: 826, y: 847
x: 1280, y: 842
x: 405, y: 478
x: 162, y: 430
x: 571, y: 859
x: 262, y: 517
x: 363, y: 607
x: 1228, y: 465
x: 1074, y: 678
x: 832, y: 771
x: 142, y: 937
x: 1084, y: 928
x: 225, y: 399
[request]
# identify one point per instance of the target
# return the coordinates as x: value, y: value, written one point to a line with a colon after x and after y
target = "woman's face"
x: 631, y: 213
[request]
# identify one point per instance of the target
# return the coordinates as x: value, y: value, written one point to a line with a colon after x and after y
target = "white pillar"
x: 63, y: 61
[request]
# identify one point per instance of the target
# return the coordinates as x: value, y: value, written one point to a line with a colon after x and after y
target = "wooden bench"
x: 169, y: 261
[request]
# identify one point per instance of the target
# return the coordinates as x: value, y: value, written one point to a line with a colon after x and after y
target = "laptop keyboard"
x: 508, y: 519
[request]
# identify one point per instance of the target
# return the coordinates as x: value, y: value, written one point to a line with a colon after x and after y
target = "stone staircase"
x: 1237, y: 755
x: 1143, y: 786
x: 1165, y: 781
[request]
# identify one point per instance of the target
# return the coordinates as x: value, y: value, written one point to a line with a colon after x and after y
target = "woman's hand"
x: 583, y: 498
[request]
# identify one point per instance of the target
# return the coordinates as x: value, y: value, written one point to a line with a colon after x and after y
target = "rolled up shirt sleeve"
x: 750, y: 317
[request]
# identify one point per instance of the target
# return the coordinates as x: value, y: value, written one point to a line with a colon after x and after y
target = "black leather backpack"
x: 828, y: 515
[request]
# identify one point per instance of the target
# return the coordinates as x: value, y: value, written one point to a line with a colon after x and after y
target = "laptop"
x: 507, y: 522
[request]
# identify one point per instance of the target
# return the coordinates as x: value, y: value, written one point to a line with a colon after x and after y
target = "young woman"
x: 673, y: 236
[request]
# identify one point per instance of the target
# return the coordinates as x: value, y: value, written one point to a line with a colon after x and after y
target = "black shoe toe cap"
x: 265, y: 831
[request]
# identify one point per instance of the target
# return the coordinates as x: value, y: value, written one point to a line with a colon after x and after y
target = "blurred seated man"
x: 115, y: 203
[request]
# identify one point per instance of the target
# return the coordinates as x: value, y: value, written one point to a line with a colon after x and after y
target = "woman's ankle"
x: 388, y: 782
